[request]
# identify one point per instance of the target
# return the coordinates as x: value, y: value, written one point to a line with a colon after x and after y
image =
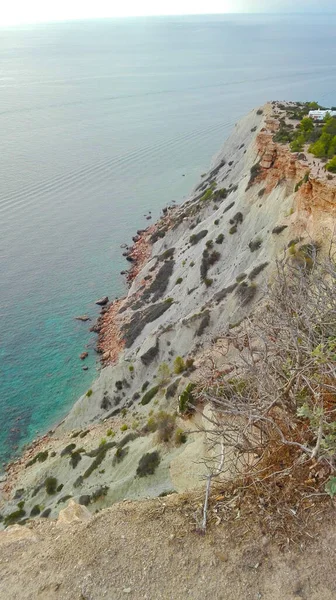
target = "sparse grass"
x: 110, y: 433
x: 254, y: 172
x: 148, y: 464
x: 241, y: 277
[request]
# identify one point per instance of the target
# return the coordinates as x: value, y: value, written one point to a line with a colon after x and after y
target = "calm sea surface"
x: 99, y: 121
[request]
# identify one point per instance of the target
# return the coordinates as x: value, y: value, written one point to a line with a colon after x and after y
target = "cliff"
x: 196, y: 274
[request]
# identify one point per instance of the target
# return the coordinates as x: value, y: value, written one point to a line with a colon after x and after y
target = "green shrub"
x: 131, y: 368
x: 216, y: 222
x: 124, y: 427
x: 89, y: 393
x: 331, y: 165
x: 163, y: 373
x: 186, y: 399
x: 148, y: 463
x: 50, y: 485
x: 257, y: 270
x: 145, y: 386
x: 68, y: 449
x: 192, y: 264
x: 75, y: 458
x: 150, y: 395
x: 261, y: 192
x: 99, y: 454
x: 35, y: 510
x: 180, y: 437
x: 14, y: 517
x: 233, y: 229
x: 119, y: 455
x: 179, y: 365
x: 209, y: 244
x: 110, y: 433
x: 197, y: 237
x: 279, y: 229
x: 255, y: 244
x: 102, y: 442
x: 260, y: 112
x: 208, y: 282
x: 179, y: 280
x: 220, y: 239
x: 207, y: 195
x: 39, y: 457
x: 241, y: 277
x: 254, y: 172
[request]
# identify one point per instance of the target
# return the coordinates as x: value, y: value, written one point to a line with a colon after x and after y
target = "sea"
x: 101, y: 122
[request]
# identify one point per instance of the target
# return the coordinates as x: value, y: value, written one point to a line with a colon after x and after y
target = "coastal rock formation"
x: 102, y: 301
x: 195, y: 274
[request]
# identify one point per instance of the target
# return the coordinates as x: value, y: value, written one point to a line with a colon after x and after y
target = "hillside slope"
x: 207, y: 263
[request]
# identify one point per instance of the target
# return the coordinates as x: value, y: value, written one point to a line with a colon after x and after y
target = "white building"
x: 319, y: 115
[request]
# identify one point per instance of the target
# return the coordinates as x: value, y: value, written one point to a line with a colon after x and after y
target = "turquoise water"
x: 99, y: 122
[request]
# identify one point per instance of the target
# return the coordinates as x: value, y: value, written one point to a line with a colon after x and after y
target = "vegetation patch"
x: 179, y: 365
x: 258, y: 269
x: 219, y: 239
x: 50, y: 485
x: 148, y: 464
x: 14, y: 517
x: 254, y: 173
x: 225, y: 292
x: 197, y: 237
x: 254, y: 245
x: 205, y: 322
x: 186, y: 400
x: 208, y: 260
x: 279, y: 229
x: 99, y: 454
x: 228, y: 207
x: 150, y: 395
x: 39, y: 457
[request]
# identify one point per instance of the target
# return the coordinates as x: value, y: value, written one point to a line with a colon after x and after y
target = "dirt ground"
x: 150, y: 550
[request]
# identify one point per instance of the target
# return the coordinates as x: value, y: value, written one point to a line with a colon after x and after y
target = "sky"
x: 17, y: 12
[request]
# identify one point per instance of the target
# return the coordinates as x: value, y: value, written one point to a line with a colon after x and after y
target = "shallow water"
x: 102, y: 121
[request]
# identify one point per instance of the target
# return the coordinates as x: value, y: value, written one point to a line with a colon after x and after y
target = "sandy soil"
x: 150, y: 550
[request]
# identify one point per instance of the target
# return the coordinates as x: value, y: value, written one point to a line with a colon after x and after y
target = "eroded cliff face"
x: 204, y: 266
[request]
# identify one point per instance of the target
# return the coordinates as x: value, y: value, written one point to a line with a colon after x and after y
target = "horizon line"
x: 155, y: 16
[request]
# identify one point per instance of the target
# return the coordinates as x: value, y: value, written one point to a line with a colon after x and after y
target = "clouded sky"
x: 30, y: 11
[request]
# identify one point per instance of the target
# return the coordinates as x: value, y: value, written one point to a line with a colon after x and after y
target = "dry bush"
x: 274, y: 406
